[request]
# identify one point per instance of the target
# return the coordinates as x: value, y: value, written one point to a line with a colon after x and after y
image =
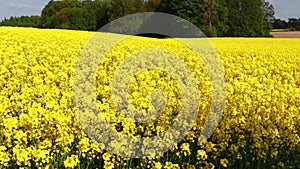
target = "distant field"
x: 294, y: 34
x: 280, y: 30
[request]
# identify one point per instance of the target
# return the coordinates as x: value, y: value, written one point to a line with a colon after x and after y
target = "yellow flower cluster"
x: 37, y: 122
x: 39, y: 128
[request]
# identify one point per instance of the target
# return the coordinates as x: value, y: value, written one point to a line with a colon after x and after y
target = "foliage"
x: 69, y: 15
x: 213, y: 17
x: 246, y: 19
x: 221, y: 22
x: 293, y: 24
x: 208, y: 17
x: 188, y: 10
x: 23, y: 21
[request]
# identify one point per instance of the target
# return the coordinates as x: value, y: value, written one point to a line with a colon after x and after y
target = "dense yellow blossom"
x: 39, y: 127
x: 224, y: 162
x: 71, y: 162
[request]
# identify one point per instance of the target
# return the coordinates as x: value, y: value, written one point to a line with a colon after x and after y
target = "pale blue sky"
x: 21, y: 7
x: 283, y: 8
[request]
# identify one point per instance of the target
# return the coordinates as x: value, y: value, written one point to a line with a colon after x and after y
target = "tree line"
x: 293, y: 24
x: 243, y: 18
x: 23, y: 21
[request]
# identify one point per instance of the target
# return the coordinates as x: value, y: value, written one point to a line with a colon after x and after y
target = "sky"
x: 284, y: 9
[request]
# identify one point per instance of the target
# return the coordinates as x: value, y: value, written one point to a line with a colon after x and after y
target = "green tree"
x: 246, y: 18
x: 279, y: 24
x: 151, y: 5
x: 51, y: 16
x: 48, y: 15
x: 188, y: 9
x: 211, y: 16
x: 23, y: 21
x: 100, y: 8
x: 269, y: 11
x: 221, y: 18
x: 89, y: 14
x: 138, y: 6
x: 120, y: 8
x: 208, y: 17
